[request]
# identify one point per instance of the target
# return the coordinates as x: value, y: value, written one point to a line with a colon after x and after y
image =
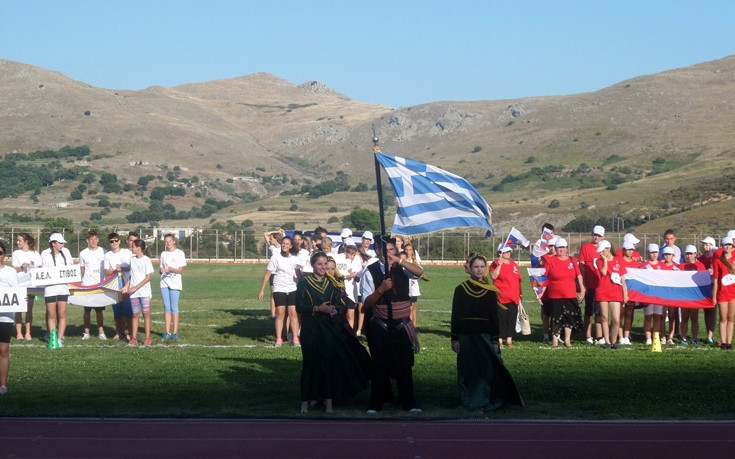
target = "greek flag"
x: 431, y: 199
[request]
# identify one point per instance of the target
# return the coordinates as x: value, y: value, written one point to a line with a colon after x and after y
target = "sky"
x: 395, y: 53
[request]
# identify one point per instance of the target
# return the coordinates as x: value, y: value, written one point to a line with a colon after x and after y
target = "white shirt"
x: 21, y: 257
x: 284, y: 270
x: 93, y: 262
x: 122, y: 258
x: 139, y: 268
x: 8, y: 279
x: 48, y: 260
x: 174, y: 259
x: 305, y: 261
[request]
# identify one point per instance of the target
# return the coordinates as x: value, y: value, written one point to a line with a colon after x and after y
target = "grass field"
x: 225, y: 366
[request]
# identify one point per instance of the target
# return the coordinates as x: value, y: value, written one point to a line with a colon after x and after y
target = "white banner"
x: 13, y: 299
x: 55, y: 275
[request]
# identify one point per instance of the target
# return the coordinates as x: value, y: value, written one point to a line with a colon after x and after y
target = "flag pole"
x: 384, y: 246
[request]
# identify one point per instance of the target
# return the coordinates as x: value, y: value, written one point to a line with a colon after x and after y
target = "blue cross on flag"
x: 431, y: 199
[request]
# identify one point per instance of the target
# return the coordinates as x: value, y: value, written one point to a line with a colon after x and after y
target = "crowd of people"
x: 328, y: 298
x: 597, y: 277
x: 96, y: 264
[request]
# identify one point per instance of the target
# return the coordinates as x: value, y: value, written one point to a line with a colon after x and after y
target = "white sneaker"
x: 649, y: 342
x: 85, y: 336
x: 102, y: 336
x: 601, y: 341
x: 590, y: 340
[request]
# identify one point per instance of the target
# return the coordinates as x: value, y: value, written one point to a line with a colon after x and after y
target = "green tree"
x: 362, y: 219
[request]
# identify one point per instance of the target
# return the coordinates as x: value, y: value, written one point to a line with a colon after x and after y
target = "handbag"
x: 523, y: 325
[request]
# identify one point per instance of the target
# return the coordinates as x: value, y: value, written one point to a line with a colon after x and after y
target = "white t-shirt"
x: 354, y: 266
x: 48, y: 260
x: 175, y: 259
x: 93, y: 262
x: 122, y: 258
x: 305, y: 261
x: 284, y: 270
x: 8, y: 279
x: 21, y: 257
x: 139, y: 268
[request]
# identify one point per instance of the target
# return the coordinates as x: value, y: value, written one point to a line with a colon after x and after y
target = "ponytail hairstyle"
x: 140, y: 243
x: 29, y: 240
x: 728, y: 263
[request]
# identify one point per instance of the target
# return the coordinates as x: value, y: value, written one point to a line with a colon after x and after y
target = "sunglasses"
x: 113, y: 240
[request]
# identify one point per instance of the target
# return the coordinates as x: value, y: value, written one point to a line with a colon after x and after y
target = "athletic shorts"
x: 285, y: 299
x: 653, y: 309
x: 140, y: 304
x: 122, y: 309
x: 590, y: 305
x: 414, y: 299
x: 6, y: 331
x: 56, y: 298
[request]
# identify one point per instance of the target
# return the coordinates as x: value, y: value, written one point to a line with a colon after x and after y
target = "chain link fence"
x: 217, y: 245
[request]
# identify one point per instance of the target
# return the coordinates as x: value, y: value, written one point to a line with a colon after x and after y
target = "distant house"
x: 178, y: 232
x: 62, y: 205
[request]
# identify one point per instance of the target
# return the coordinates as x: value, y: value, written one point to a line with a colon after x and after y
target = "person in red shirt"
x: 719, y: 250
x: 687, y: 314
x: 653, y: 313
x: 629, y: 260
x: 670, y: 265
x: 506, y: 277
x: 631, y: 240
x: 723, y: 291
x: 611, y: 292
x: 587, y: 254
x: 565, y: 280
x: 545, y: 304
x: 707, y: 258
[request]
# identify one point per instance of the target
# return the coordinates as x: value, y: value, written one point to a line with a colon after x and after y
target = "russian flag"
x: 515, y: 238
x: 679, y: 289
x: 538, y: 279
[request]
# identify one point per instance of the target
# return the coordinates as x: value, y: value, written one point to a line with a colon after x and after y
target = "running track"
x: 223, y: 439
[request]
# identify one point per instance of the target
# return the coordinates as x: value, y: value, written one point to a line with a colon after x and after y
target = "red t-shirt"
x: 706, y: 261
x: 610, y: 287
x: 649, y: 265
x: 634, y: 263
x: 562, y: 276
x: 671, y: 267
x: 696, y: 266
x: 723, y: 277
x: 508, y: 282
x: 587, y: 255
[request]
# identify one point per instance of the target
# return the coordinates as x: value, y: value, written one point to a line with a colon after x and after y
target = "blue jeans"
x: 170, y: 300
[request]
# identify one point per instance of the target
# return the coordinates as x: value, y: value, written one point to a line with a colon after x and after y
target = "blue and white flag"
x: 431, y: 199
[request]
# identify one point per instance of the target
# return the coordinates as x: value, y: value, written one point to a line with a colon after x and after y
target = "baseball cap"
x: 598, y: 230
x: 346, y: 232
x: 627, y: 245
x: 726, y: 240
x: 552, y: 241
x: 602, y: 245
x: 668, y: 250
x: 690, y: 249
x: 502, y: 248
x: 630, y: 237
x: 731, y: 234
x: 652, y: 248
x: 57, y: 237
x: 367, y: 235
x: 709, y: 240
x: 561, y: 242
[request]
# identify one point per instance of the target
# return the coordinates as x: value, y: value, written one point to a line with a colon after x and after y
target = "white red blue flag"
x: 679, y: 289
x: 431, y: 199
x: 516, y: 238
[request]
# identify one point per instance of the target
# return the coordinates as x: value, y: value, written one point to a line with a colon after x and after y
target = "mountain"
x: 643, y: 147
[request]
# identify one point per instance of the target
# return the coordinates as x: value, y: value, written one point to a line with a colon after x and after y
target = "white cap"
x: 552, y: 241
x: 690, y: 249
x: 561, y: 242
x: 668, y: 250
x: 350, y: 242
x: 726, y: 240
x: 709, y: 240
x: 56, y: 237
x: 346, y: 232
x: 652, y: 248
x: 731, y: 234
x: 630, y: 237
x: 502, y: 248
x: 598, y: 230
x: 602, y: 245
x: 367, y: 235
x: 627, y: 245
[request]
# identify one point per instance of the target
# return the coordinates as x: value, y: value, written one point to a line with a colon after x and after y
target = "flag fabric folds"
x: 538, y: 279
x: 104, y: 293
x: 431, y: 199
x: 679, y: 289
x: 516, y: 238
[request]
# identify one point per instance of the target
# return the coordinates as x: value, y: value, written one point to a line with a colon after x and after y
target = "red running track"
x: 223, y: 439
